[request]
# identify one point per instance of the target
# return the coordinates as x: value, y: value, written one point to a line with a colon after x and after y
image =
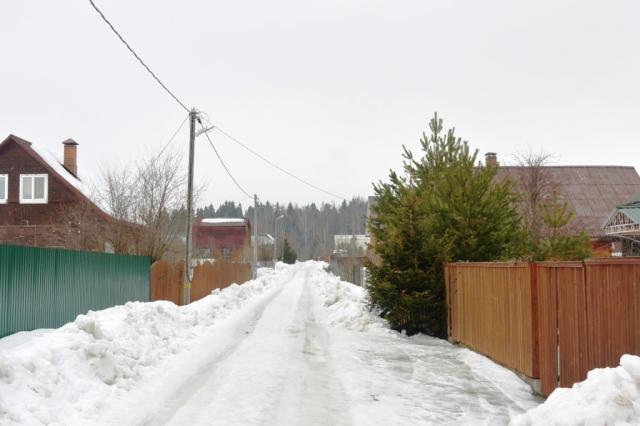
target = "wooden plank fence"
x: 490, y: 311
x: 167, y: 279
x: 552, y: 321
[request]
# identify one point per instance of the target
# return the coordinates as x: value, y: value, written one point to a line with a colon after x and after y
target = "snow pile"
x: 608, y: 396
x: 46, y: 378
x: 346, y: 303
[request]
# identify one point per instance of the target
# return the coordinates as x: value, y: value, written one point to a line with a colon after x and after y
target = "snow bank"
x: 47, y: 377
x: 608, y: 396
x: 346, y: 303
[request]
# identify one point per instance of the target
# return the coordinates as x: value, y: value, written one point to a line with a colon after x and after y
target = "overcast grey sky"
x: 328, y: 89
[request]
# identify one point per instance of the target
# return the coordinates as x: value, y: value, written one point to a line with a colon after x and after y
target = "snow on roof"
x: 264, y: 240
x: 52, y: 161
x: 223, y: 221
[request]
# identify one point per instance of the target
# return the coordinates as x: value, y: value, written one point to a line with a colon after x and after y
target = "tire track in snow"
x: 162, y: 411
x: 315, y: 387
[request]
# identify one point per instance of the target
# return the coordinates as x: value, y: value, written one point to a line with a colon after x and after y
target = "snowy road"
x: 285, y: 365
x: 300, y: 349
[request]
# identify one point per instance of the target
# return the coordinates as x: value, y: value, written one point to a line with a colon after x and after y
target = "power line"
x: 225, y: 166
x: 174, y: 135
x: 104, y: 18
x: 272, y: 164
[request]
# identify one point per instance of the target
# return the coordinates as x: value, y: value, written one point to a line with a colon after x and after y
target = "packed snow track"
x: 297, y: 347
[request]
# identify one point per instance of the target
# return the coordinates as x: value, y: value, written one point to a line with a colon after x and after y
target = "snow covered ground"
x: 296, y: 346
x: 609, y: 396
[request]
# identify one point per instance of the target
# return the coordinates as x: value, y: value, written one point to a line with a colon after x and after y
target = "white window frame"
x: 34, y: 200
x: 226, y: 253
x: 5, y: 200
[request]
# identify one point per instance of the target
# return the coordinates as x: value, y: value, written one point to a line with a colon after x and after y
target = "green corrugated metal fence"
x: 46, y: 288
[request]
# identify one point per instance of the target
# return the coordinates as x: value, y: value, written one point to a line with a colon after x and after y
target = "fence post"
x: 535, y: 329
x: 447, y: 297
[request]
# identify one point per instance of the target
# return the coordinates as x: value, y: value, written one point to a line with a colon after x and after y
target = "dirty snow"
x: 609, y: 396
x: 295, y: 346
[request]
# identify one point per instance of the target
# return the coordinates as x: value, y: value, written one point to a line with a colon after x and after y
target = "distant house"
x: 351, y: 243
x: 264, y: 240
x: 222, y: 238
x: 266, y: 247
x: 43, y: 202
x: 623, y: 225
x: 591, y: 193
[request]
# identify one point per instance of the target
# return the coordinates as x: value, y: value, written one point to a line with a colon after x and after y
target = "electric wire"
x: 272, y: 164
x: 174, y: 135
x: 104, y: 18
x: 225, y: 166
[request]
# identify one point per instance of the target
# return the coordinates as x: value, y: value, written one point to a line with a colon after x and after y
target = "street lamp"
x: 275, y: 240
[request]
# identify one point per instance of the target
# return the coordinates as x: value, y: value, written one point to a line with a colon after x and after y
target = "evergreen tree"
x: 288, y: 255
x: 444, y: 209
x: 560, y: 245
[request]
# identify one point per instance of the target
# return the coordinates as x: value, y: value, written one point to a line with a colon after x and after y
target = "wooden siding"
x: 43, y: 225
x: 14, y: 161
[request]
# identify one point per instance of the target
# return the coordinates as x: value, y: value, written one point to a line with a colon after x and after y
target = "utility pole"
x: 275, y: 240
x: 193, y: 115
x: 255, y: 236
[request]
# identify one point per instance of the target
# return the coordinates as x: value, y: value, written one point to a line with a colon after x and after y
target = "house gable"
x: 17, y: 156
x: 213, y: 236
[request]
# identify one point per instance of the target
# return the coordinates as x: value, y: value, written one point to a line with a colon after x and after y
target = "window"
x: 34, y: 189
x: 226, y: 253
x: 4, y: 188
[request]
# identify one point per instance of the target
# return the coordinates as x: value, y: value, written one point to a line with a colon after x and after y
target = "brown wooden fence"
x: 167, y: 279
x: 210, y: 276
x: 550, y: 320
x: 491, y: 311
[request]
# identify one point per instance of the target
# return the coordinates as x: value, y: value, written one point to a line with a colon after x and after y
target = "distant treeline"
x: 309, y: 228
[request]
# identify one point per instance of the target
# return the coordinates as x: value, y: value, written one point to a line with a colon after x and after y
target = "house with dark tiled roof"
x: 591, y: 192
x: 43, y: 200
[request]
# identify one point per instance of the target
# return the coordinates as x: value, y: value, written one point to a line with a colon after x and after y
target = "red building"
x: 222, y: 238
x: 43, y: 202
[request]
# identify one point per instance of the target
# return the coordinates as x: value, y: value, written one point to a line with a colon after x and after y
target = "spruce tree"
x: 288, y: 254
x: 445, y: 208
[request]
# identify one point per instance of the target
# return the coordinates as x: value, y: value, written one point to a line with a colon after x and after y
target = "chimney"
x: 491, y: 159
x: 71, y: 156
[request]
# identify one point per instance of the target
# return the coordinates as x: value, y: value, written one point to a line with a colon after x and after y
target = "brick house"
x: 222, y: 238
x: 43, y: 202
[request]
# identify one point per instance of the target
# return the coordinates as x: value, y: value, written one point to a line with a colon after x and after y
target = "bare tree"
x: 535, y: 186
x: 117, y: 196
x: 145, y: 205
x: 158, y: 191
